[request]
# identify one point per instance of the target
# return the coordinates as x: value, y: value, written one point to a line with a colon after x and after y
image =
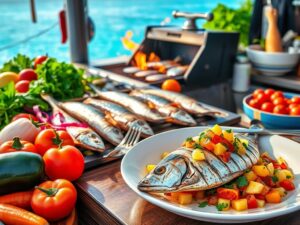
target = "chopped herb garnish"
x: 203, y: 204
x: 196, y: 145
x: 230, y: 186
x: 242, y: 181
x: 274, y: 179
x: 189, y: 139
x: 229, y: 131
x: 211, y: 191
x: 221, y: 206
x: 288, y: 177
x: 245, y: 145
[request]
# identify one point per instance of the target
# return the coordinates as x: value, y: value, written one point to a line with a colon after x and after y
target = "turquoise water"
x: 112, y: 19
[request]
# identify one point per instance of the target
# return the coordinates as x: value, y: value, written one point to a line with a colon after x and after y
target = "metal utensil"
x: 131, y: 138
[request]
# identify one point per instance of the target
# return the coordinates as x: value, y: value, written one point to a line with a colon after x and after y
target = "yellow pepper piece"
x: 198, y: 155
x: 217, y: 129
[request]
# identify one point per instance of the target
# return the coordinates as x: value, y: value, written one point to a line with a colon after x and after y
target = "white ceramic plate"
x: 149, y: 151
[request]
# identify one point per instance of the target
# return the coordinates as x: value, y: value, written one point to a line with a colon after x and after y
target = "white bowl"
x: 272, y: 64
x: 149, y: 151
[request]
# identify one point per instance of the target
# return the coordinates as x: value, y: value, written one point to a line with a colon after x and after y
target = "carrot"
x: 10, y: 214
x: 20, y: 199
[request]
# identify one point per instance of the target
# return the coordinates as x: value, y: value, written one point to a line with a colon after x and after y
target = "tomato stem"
x: 17, y: 143
x: 57, y: 140
x: 49, y: 191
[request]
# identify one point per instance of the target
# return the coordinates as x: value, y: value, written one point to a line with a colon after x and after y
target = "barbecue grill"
x: 200, y: 57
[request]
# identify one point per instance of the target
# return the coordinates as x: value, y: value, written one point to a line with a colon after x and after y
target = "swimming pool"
x: 112, y: 19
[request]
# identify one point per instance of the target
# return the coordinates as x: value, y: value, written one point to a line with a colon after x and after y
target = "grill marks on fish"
x: 123, y: 117
x: 95, y: 119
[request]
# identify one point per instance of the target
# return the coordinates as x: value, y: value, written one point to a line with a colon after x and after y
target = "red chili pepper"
x: 63, y: 26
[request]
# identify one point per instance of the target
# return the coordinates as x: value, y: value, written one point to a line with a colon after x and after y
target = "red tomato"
x: 280, y: 109
x: 17, y: 145
x: 54, y: 200
x: 171, y: 85
x: 64, y: 163
x: 261, y: 98
x: 251, y: 201
x: 279, y: 101
x: 288, y: 101
x: 276, y: 95
x: 27, y: 74
x: 295, y: 100
x: 216, y: 139
x: 269, y: 92
x: 226, y: 193
x: 267, y: 107
x: 22, y: 86
x: 260, y: 196
x: 225, y: 156
x: 287, y: 185
x: 254, y: 103
x: 39, y: 60
x: 295, y: 111
x: 219, y: 139
x: 25, y: 115
x: 50, y: 138
x: 257, y: 92
x: 212, y: 200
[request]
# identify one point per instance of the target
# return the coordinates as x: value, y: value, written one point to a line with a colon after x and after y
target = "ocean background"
x: 112, y: 18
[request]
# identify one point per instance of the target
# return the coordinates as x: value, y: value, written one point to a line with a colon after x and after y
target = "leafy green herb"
x: 196, y: 145
x: 245, y: 145
x: 221, y: 206
x: 18, y: 63
x: 229, y: 131
x: 288, y: 177
x: 189, y: 139
x: 242, y: 181
x: 203, y: 204
x: 274, y: 179
x: 230, y: 186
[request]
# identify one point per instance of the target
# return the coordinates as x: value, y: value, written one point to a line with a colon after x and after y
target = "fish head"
x: 184, y: 118
x: 143, y: 126
x: 166, y: 176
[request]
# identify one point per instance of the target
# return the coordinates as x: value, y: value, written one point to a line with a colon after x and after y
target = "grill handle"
x: 190, y: 22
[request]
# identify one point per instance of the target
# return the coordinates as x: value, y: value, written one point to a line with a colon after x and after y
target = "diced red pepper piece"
x: 287, y: 185
x: 252, y: 203
x: 226, y: 193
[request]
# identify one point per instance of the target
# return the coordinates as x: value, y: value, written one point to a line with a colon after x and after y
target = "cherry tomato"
x: 287, y: 185
x: 261, y: 98
x: 280, y: 109
x: 27, y: 74
x: 64, y: 163
x: 22, y: 86
x: 267, y: 107
x: 295, y: 111
x: 50, y: 138
x: 269, y: 92
x: 293, y: 105
x: 17, y: 145
x: 295, y: 99
x: 171, y: 85
x: 288, y: 101
x: 279, y: 101
x: 39, y: 60
x: 251, y: 201
x: 257, y: 92
x: 276, y: 95
x: 54, y: 200
x: 254, y: 103
x: 226, y: 193
x: 25, y: 115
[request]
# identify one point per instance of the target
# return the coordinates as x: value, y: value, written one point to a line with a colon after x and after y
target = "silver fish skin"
x: 120, y: 115
x: 95, y: 119
x: 187, y: 103
x: 179, y: 172
x: 82, y: 136
x: 133, y: 105
x: 164, y: 107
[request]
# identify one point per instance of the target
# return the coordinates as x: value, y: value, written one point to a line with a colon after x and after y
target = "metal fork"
x: 131, y: 138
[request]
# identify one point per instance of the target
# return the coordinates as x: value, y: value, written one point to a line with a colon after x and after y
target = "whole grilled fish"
x: 179, y: 172
x: 82, y: 136
x: 95, y: 119
x: 187, y: 103
x: 121, y: 116
x: 164, y: 107
x: 132, y: 104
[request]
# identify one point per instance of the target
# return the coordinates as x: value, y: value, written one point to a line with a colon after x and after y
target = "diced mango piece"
x: 150, y: 167
x: 284, y: 175
x: 260, y: 203
x: 250, y: 176
x: 254, y: 188
x: 281, y: 160
x: 209, y: 133
x: 261, y: 170
x: 239, y: 204
x: 225, y: 202
x: 198, y: 155
x: 270, y: 167
x: 207, y: 143
x: 164, y: 155
x: 228, y: 135
x: 281, y: 191
x: 174, y: 196
x: 189, y: 144
x: 217, y: 129
x: 200, y: 195
x: 239, y: 147
x: 273, y: 197
x: 185, y: 198
x: 219, y: 149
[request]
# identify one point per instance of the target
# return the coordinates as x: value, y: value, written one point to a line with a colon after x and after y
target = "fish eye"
x: 160, y: 170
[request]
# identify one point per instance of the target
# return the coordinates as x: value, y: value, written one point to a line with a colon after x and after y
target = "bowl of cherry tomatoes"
x: 276, y: 109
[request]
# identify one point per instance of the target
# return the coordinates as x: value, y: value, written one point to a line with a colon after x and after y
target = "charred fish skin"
x: 165, y: 108
x: 132, y: 104
x: 83, y: 136
x: 179, y: 172
x: 95, y: 119
x: 187, y: 103
x: 124, y: 118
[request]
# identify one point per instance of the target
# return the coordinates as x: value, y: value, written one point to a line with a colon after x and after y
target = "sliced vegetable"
x: 20, y: 199
x: 227, y: 193
x: 252, y: 202
x: 239, y: 204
